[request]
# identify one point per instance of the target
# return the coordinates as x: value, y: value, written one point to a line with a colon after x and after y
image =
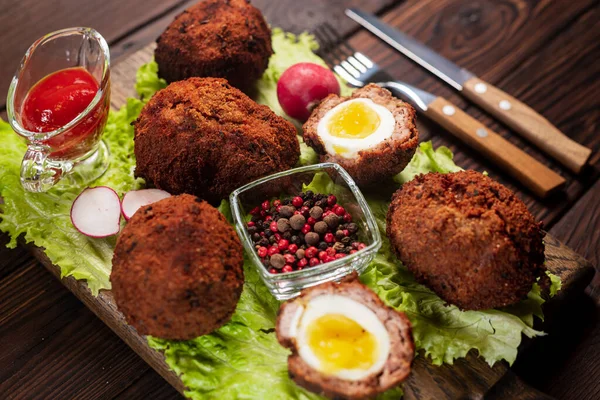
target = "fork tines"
x: 337, y: 52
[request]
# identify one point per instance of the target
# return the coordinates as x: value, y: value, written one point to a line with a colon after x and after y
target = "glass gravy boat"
x: 73, y: 152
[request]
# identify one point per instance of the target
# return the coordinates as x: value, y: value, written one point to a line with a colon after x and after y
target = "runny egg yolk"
x: 341, y: 343
x: 355, y: 121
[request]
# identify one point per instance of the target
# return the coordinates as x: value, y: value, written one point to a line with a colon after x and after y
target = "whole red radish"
x: 302, y: 86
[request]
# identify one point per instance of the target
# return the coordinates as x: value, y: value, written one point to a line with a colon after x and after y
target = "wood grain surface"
x: 542, y: 52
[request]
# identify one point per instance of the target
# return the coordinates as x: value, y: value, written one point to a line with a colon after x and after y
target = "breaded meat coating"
x: 177, y: 269
x: 204, y: 137
x: 216, y: 38
x: 468, y: 238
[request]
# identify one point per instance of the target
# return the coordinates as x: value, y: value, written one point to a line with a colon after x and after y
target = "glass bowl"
x: 289, y: 183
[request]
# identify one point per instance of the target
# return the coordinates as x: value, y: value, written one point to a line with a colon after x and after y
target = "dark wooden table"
x: 544, y: 52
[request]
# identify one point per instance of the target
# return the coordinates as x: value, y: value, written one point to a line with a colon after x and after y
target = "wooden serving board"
x: 468, y: 378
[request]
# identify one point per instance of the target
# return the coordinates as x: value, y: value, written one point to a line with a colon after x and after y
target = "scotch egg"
x: 372, y: 134
x: 345, y: 342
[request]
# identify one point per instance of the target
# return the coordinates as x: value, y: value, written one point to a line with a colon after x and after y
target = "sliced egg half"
x: 340, y: 337
x: 355, y: 125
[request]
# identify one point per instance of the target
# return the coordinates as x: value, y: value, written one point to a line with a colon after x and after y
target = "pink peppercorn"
x: 302, y: 263
x: 331, y: 200
x: 293, y: 248
x: 265, y: 205
x: 347, y: 217
x: 322, y: 255
x: 306, y: 228
x: 262, y: 252
x: 329, y: 237
x: 297, y: 201
x: 330, y: 251
x: 287, y: 268
x: 361, y: 246
x: 273, y: 250
x: 282, y: 244
x: 311, y: 252
x: 339, y: 211
x: 250, y: 223
x: 277, y: 236
x: 339, y: 255
x: 273, y: 271
x: 311, y: 221
x: 314, y: 261
x: 276, y: 203
x: 273, y: 226
x: 268, y: 218
x: 289, y: 259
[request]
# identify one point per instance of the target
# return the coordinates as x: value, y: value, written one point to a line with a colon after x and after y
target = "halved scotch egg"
x: 372, y: 134
x: 345, y: 342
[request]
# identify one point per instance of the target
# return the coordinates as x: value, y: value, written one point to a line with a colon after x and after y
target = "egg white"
x: 359, y: 313
x: 353, y: 146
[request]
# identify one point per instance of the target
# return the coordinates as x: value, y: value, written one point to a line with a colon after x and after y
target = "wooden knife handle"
x: 540, y: 179
x: 531, y: 125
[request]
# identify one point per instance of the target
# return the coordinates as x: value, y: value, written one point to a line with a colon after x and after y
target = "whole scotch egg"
x: 372, y: 134
x: 345, y: 342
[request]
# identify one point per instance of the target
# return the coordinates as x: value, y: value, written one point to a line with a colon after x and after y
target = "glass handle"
x: 38, y: 172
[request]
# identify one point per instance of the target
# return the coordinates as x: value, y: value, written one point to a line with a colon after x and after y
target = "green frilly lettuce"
x: 242, y: 359
x: 43, y: 218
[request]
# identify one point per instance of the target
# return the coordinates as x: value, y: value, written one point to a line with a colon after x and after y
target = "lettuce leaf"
x: 43, y: 218
x: 147, y: 81
x: 428, y: 160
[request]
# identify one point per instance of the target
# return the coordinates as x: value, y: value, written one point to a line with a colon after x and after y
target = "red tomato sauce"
x: 55, y: 101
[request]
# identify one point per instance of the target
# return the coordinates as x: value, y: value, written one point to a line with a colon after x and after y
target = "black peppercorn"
x: 283, y: 224
x: 316, y: 212
x: 297, y: 221
x: 323, y: 246
x: 321, y: 228
x: 286, y: 235
x: 287, y: 211
x: 277, y: 261
x: 332, y: 221
x: 268, y: 233
x: 352, y: 227
x: 312, y: 238
x: 256, y: 237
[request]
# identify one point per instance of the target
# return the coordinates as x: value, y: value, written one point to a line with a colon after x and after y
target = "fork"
x: 358, y: 70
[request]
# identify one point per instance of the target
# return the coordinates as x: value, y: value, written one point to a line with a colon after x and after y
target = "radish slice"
x: 96, y: 212
x: 132, y: 201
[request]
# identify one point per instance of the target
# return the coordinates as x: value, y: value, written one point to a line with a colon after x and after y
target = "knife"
x: 534, y: 175
x: 504, y: 107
